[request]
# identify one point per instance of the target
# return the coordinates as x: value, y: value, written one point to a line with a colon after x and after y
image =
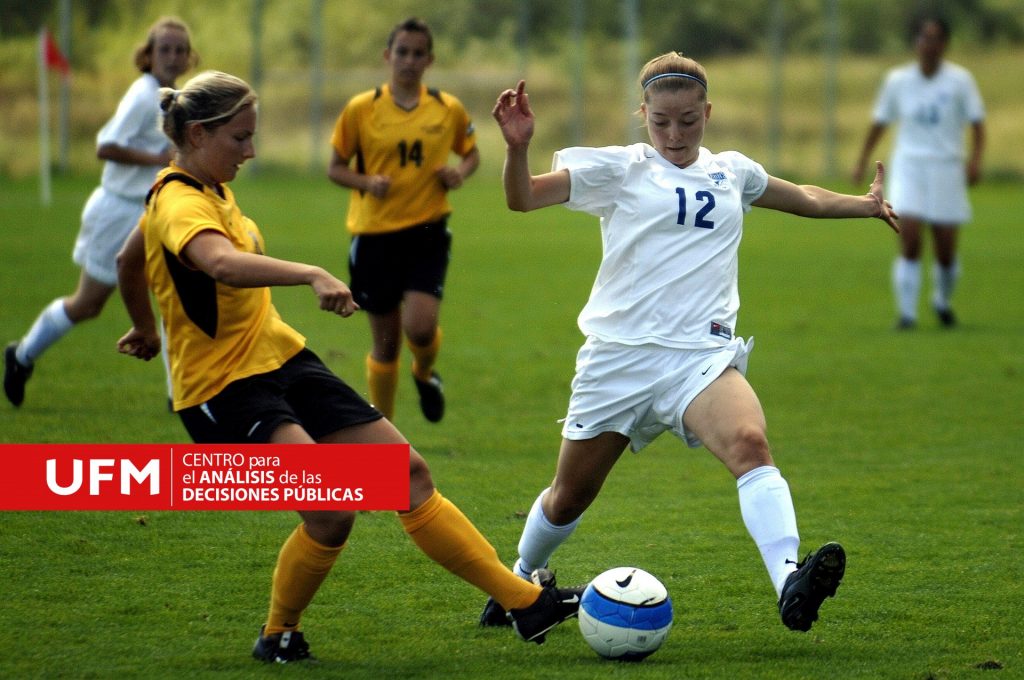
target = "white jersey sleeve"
x: 886, y: 109
x: 974, y: 107
x: 594, y: 174
x: 135, y: 125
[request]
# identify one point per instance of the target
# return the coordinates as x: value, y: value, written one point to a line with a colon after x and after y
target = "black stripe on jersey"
x: 361, y: 167
x: 197, y: 291
x: 174, y: 176
x: 435, y: 93
x: 377, y: 92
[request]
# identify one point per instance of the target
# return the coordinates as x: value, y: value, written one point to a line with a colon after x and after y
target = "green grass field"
x: 904, y: 446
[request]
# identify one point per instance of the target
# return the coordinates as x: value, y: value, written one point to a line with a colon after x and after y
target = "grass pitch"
x: 906, y: 447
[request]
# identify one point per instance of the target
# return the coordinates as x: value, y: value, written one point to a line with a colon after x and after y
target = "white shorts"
x: 931, y: 190
x: 107, y: 220
x: 641, y: 391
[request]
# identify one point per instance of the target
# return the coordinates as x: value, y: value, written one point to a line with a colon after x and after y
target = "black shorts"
x: 384, y: 266
x: 302, y: 391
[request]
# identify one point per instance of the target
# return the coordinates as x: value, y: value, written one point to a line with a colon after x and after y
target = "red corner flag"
x: 54, y: 58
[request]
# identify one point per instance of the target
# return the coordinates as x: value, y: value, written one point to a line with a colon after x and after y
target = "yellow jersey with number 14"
x: 407, y: 146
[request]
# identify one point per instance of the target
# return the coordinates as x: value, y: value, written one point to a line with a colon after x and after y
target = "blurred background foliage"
x: 791, y: 80
x: 710, y: 28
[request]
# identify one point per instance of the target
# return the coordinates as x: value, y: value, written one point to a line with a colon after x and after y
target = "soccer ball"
x: 625, y: 614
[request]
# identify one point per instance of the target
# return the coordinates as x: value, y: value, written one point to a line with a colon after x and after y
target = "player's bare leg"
x: 728, y: 418
x: 420, y: 314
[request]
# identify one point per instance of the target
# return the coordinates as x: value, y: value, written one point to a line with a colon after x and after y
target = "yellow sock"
x: 450, y: 539
x: 424, y: 357
x: 382, y: 380
x: 302, y: 565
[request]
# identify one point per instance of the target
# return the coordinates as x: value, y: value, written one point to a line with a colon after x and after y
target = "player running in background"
x: 241, y: 374
x: 399, y: 137
x: 932, y: 101
x: 133, y: 148
x: 660, y: 353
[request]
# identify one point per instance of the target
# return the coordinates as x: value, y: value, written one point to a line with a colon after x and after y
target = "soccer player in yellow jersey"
x: 241, y: 374
x: 392, y: 146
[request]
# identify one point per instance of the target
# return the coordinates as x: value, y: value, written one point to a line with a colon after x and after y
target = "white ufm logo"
x: 102, y: 470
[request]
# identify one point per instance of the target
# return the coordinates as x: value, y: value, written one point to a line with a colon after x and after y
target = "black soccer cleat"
x: 16, y: 375
x: 816, y: 577
x: 905, y: 323
x: 287, y: 647
x: 946, y: 317
x: 495, y: 616
x: 554, y: 606
x: 431, y: 397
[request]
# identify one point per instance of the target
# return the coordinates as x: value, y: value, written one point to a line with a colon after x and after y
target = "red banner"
x: 204, y: 477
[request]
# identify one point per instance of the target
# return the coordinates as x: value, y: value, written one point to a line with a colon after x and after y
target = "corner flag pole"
x: 44, y: 122
x: 50, y: 57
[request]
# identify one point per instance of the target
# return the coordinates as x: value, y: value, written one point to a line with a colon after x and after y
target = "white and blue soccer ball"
x: 625, y: 614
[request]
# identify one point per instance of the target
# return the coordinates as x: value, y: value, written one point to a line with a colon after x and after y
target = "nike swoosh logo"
x: 624, y: 582
x: 705, y: 371
x: 572, y: 600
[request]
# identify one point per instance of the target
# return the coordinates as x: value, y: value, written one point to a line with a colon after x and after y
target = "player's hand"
x: 139, y: 344
x: 885, y: 211
x: 378, y: 185
x: 450, y: 177
x: 512, y: 111
x: 334, y: 295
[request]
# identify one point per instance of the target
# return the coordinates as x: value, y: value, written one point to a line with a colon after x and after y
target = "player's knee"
x: 420, y: 481
x: 329, y: 528
x: 83, y: 310
x: 564, y: 505
x: 421, y: 335
x: 750, y: 449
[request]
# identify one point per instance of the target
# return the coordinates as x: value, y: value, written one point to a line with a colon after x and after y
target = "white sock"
x: 540, y: 539
x: 51, y: 325
x: 944, y: 280
x: 768, y: 514
x: 906, y: 286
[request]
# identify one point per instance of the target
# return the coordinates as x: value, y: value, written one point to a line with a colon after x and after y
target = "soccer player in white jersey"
x: 660, y: 352
x: 134, y: 149
x: 932, y: 100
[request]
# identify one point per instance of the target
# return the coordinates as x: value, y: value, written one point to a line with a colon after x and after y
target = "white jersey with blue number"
x: 931, y: 112
x: 670, y: 237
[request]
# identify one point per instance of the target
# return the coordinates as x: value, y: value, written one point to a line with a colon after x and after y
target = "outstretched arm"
x: 212, y: 253
x: 808, y: 200
x: 523, y: 191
